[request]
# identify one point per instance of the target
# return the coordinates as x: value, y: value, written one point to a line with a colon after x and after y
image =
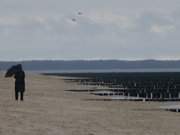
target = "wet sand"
x: 50, y: 110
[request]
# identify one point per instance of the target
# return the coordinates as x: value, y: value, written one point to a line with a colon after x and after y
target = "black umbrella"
x: 11, y: 71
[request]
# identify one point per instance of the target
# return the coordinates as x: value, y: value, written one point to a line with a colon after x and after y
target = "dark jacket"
x: 20, y: 81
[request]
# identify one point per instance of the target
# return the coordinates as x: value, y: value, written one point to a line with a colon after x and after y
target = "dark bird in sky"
x: 80, y: 13
x: 73, y: 19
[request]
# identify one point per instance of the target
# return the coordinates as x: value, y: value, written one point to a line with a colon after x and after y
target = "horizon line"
x: 131, y: 60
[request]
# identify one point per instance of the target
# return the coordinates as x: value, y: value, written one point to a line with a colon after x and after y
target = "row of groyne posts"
x: 143, y: 89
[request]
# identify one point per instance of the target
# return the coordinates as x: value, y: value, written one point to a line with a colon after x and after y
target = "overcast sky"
x: 89, y: 29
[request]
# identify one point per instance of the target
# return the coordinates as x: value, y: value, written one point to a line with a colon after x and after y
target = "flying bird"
x: 80, y: 13
x: 73, y: 19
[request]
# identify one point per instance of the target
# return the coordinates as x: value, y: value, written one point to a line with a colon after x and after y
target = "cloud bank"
x: 103, y: 29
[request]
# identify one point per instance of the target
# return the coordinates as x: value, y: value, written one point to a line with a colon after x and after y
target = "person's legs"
x: 16, y: 94
x: 22, y: 96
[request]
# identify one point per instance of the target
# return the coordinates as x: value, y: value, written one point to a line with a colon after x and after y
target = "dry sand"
x: 49, y: 110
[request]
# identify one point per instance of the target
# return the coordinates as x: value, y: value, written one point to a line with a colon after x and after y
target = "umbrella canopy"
x: 11, y: 71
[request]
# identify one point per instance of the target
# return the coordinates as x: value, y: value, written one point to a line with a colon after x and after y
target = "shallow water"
x: 106, y: 70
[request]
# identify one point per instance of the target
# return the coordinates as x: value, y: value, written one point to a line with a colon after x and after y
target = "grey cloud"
x: 107, y: 29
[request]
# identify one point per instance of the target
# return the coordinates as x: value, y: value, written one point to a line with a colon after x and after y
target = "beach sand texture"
x: 50, y: 110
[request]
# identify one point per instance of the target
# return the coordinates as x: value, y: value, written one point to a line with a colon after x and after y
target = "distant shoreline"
x: 97, y: 65
x: 106, y: 71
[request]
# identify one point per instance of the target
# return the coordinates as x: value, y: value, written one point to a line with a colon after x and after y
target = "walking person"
x: 19, y: 82
x: 19, y: 75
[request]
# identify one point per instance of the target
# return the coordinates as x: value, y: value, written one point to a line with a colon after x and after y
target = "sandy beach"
x: 49, y: 109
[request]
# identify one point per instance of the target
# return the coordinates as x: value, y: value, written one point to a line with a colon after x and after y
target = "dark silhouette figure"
x: 19, y: 82
x: 19, y: 76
